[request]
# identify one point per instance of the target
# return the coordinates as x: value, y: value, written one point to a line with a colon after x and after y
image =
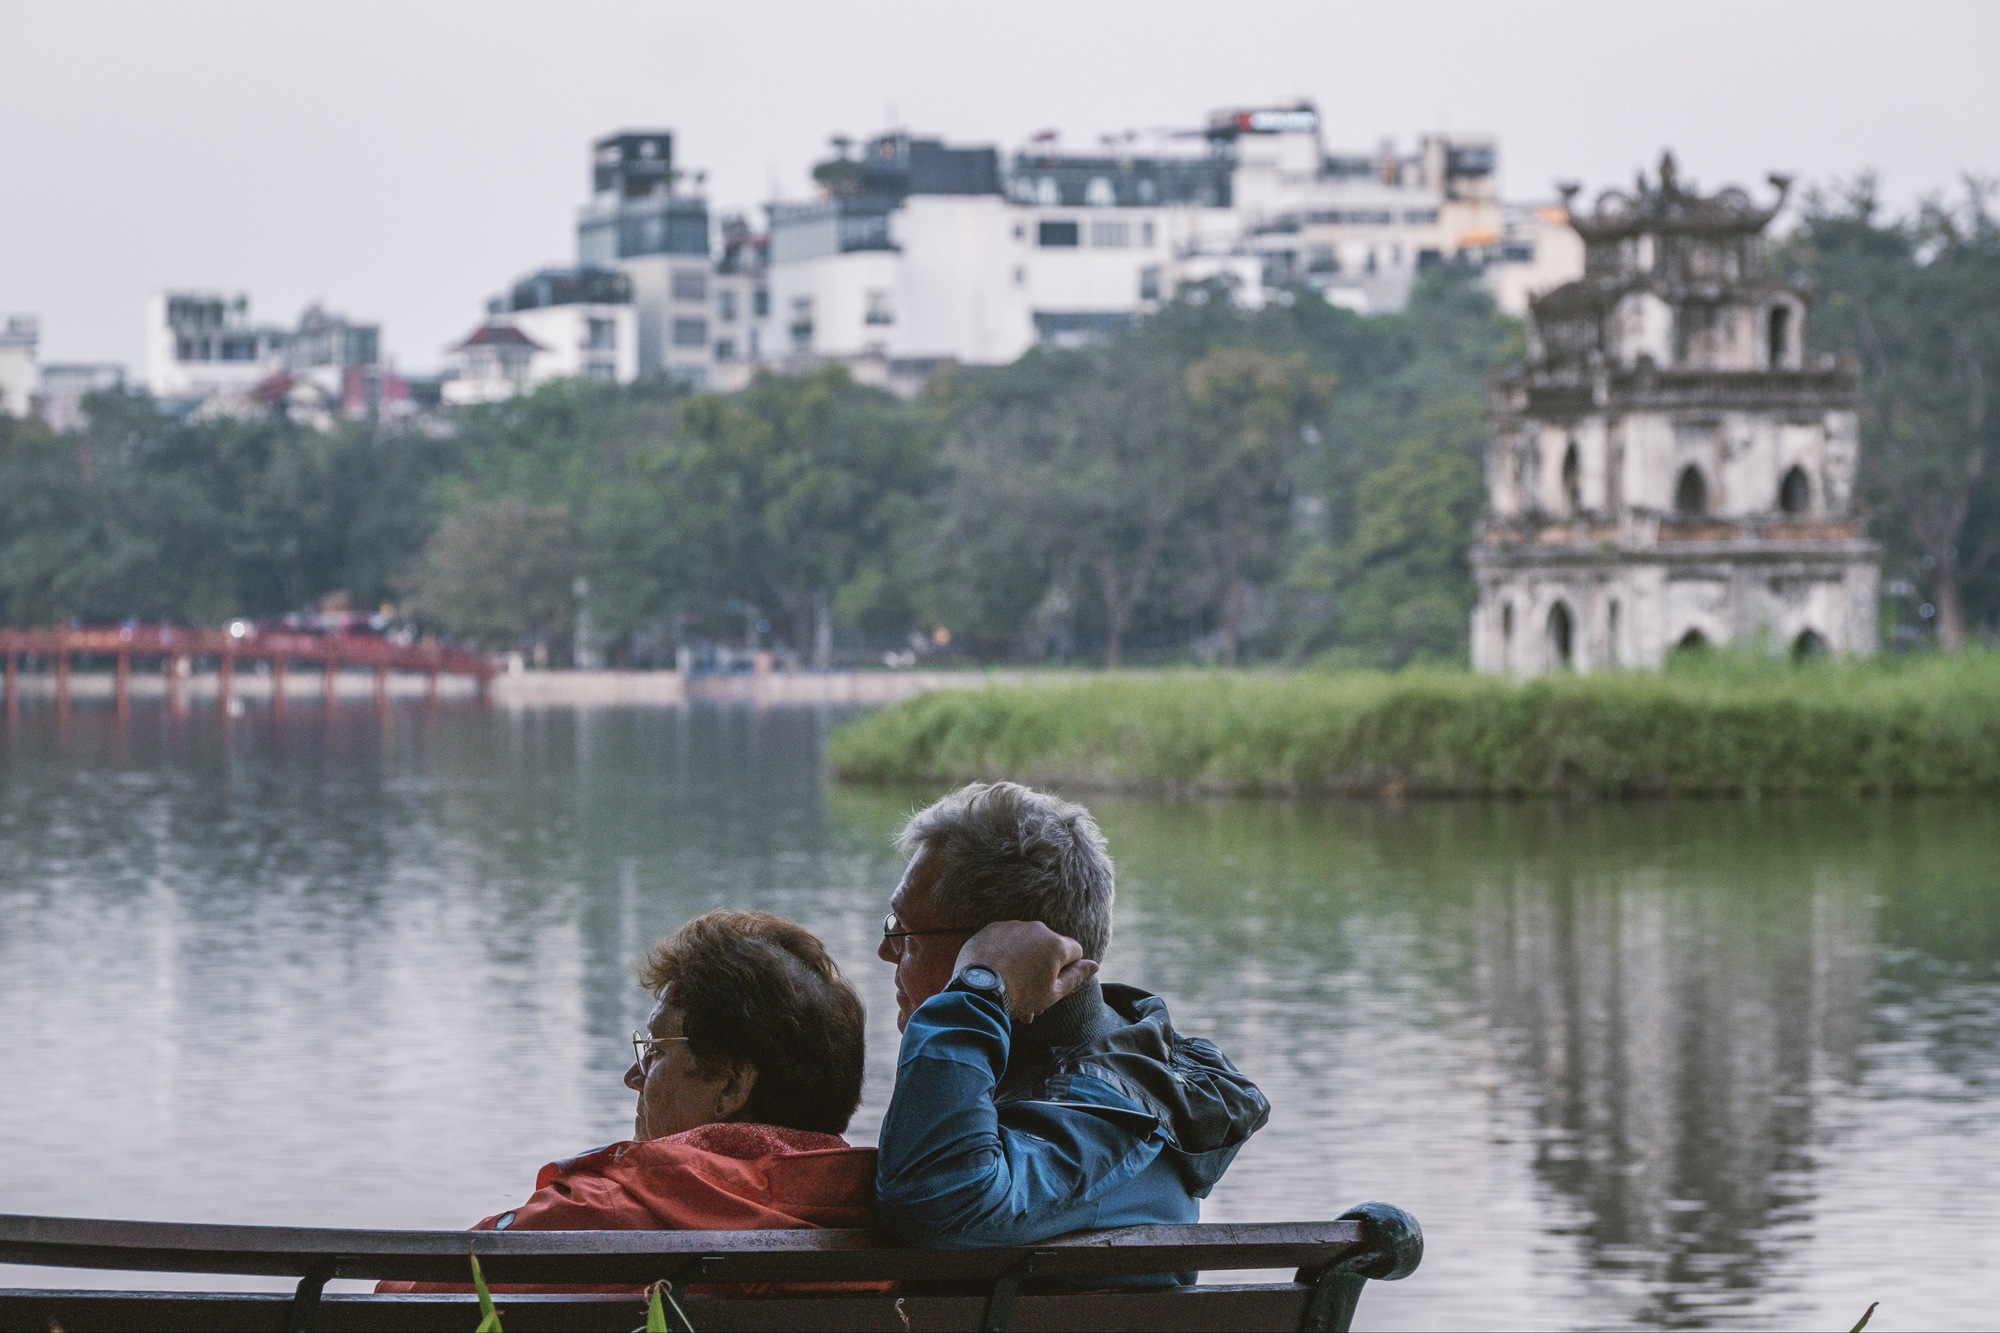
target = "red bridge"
x: 176, y: 650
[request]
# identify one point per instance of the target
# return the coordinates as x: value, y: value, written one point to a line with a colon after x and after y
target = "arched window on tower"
x: 1691, y: 492
x: 1572, y: 481
x: 1562, y: 632
x: 1780, y: 331
x: 1611, y: 632
x: 1795, y: 492
x: 1808, y: 646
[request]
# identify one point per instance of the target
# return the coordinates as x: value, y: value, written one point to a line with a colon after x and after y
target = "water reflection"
x: 1677, y: 1065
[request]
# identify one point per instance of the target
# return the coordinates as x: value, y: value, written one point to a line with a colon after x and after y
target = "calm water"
x: 1691, y: 1065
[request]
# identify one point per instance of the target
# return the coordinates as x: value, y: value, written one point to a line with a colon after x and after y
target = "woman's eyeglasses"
x: 643, y: 1044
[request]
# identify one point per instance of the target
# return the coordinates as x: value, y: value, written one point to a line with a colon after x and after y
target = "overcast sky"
x: 403, y: 161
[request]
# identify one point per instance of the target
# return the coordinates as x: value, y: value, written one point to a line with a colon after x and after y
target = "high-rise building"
x: 643, y: 222
x: 1669, y: 468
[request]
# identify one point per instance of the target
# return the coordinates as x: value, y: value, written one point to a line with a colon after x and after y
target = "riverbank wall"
x: 1932, y: 724
x: 557, y: 689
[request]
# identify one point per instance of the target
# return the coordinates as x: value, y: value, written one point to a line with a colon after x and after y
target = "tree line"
x: 1290, y: 483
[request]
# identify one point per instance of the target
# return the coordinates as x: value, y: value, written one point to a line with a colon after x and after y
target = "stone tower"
x: 1666, y: 469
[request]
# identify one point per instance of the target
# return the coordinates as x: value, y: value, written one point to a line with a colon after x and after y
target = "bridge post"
x: 62, y: 673
x: 178, y: 665
x: 381, y: 687
x: 225, y: 677
x: 13, y: 679
x: 332, y: 665
x: 431, y: 688
x: 278, y: 684
x: 121, y: 686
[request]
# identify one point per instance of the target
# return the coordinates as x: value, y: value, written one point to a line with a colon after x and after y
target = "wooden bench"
x: 1044, y: 1286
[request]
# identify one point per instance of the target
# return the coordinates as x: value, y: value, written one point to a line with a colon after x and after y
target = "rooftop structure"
x: 1667, y: 469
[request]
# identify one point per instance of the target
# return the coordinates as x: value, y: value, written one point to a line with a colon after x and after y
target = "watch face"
x: 983, y: 977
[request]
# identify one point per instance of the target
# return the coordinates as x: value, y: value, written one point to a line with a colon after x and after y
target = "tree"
x: 502, y: 573
x: 1917, y: 303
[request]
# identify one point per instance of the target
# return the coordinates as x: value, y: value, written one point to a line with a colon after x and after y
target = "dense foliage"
x: 1916, y: 301
x: 1726, y: 725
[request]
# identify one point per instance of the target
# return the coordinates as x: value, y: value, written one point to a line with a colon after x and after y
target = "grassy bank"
x: 1726, y: 726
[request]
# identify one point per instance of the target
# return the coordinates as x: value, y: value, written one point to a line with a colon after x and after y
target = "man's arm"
x: 951, y: 1175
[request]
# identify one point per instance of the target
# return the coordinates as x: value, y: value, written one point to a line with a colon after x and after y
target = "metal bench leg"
x: 305, y: 1301
x: 1336, y: 1291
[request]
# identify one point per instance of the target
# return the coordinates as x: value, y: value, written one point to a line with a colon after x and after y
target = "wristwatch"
x: 977, y: 979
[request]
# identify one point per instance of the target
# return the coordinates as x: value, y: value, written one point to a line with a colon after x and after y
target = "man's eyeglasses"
x: 643, y: 1044
x: 894, y: 932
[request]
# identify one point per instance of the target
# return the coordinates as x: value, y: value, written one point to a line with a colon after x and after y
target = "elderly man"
x: 1030, y: 1098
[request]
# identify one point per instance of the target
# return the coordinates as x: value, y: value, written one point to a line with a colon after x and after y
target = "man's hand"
x: 1039, y: 966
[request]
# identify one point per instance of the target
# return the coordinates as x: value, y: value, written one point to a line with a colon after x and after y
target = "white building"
x: 199, y: 343
x: 1668, y: 469
x: 916, y: 252
x: 64, y: 386
x: 641, y: 222
x: 19, y: 340
x: 556, y: 324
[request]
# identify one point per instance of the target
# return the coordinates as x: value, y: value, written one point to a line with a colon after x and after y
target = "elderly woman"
x: 747, y: 1071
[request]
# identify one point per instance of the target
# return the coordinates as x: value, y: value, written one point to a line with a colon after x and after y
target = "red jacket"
x: 719, y: 1177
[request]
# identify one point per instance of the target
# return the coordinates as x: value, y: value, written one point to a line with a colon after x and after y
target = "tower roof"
x: 1672, y: 206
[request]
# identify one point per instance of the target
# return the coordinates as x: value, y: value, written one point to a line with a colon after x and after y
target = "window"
x: 604, y: 372
x: 1691, y: 492
x: 725, y: 305
x: 1110, y: 235
x: 725, y: 349
x: 1020, y: 232
x: 1572, y: 480
x: 1099, y: 194
x: 1146, y: 234
x: 1780, y: 336
x: 690, y: 333
x: 690, y: 284
x: 1046, y: 191
x: 1795, y: 492
x: 879, y: 310
x: 600, y: 335
x: 760, y: 302
x: 1050, y: 234
x: 1808, y: 646
x: 1149, y: 283
x: 801, y: 327
x: 1562, y: 630
x: 1611, y: 632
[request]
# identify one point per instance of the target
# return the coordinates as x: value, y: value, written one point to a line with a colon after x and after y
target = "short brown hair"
x: 756, y: 989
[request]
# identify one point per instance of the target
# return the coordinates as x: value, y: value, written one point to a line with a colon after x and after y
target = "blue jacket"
x: 1128, y: 1123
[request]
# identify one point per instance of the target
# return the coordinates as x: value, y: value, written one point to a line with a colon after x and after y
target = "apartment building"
x: 643, y: 221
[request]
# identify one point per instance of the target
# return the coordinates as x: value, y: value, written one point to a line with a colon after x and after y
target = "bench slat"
x: 640, y: 1256
x: 1268, y: 1306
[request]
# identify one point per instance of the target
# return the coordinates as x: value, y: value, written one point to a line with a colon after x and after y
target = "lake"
x: 1689, y: 1064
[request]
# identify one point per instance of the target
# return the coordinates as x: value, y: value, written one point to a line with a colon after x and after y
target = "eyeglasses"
x: 644, y: 1042
x: 894, y: 932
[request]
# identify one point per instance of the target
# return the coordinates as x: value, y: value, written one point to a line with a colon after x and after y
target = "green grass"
x: 1726, y: 725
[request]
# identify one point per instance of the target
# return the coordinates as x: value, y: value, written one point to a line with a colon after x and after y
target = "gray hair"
x: 1008, y: 853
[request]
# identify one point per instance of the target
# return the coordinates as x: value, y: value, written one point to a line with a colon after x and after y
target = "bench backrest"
x: 1332, y: 1259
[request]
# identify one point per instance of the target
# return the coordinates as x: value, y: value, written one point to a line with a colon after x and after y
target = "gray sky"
x: 403, y: 161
